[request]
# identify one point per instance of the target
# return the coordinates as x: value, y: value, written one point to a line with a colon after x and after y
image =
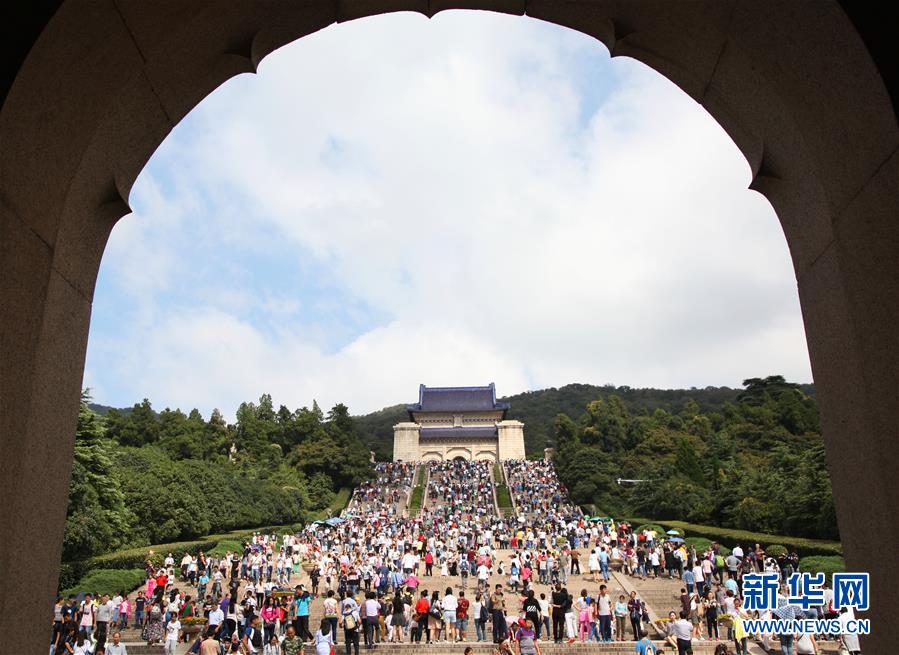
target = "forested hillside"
x: 756, y: 463
x: 748, y: 458
x: 538, y: 410
x: 143, y: 477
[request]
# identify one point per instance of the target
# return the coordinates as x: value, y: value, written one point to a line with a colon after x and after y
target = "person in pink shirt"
x: 269, y: 615
x: 124, y: 611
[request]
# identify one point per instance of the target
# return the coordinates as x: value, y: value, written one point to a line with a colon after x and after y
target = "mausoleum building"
x: 458, y: 423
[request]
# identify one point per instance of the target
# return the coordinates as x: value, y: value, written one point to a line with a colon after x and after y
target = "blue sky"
x: 460, y: 200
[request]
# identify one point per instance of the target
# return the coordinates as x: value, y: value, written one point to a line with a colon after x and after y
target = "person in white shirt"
x: 699, y: 579
x: 116, y: 603
x: 848, y: 640
x: 450, y: 605
x: 172, y: 609
x: 82, y: 647
x: 185, y: 562
x: 116, y: 647
x: 323, y: 639
x: 483, y: 576
x: 172, y: 634
x: 543, y: 628
x: 216, y: 617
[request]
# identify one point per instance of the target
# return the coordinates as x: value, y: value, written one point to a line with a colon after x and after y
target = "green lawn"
x: 418, y: 493
x: 503, y: 498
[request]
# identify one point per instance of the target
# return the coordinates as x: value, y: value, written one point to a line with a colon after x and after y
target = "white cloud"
x: 440, y: 173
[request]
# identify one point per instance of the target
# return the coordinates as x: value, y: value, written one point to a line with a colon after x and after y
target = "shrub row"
x: 827, y: 564
x: 730, y: 537
x: 131, y: 558
x: 71, y: 573
x: 107, y: 581
x: 225, y: 546
x: 701, y: 544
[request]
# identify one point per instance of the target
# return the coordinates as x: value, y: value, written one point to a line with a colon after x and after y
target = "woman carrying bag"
x: 324, y: 641
x: 806, y: 645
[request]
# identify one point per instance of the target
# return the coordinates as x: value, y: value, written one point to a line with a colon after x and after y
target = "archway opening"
x: 579, y: 188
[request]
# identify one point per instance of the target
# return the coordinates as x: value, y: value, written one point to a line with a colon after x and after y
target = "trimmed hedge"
x: 224, y: 546
x: 731, y: 537
x: 131, y: 558
x: 108, y: 581
x: 775, y: 551
x: 660, y: 531
x: 71, y: 573
x: 699, y: 543
x: 827, y: 564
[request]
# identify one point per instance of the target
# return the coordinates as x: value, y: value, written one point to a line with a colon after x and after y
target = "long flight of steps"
x: 546, y: 648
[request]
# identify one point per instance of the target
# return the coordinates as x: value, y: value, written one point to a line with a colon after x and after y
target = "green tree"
x: 606, y: 424
x: 96, y: 517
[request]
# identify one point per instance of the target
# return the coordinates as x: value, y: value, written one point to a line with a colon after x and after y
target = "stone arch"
x: 432, y: 456
x: 456, y: 452
x: 94, y: 87
x: 489, y: 455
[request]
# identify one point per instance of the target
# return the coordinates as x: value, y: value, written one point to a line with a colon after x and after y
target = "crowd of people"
x: 458, y: 483
x: 536, y: 488
x: 386, y: 491
x: 456, y: 571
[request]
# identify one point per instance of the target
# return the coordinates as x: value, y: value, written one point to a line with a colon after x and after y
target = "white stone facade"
x: 510, y: 440
x: 474, y: 428
x: 405, y: 442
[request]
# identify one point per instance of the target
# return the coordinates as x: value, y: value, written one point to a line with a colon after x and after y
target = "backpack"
x: 484, y: 613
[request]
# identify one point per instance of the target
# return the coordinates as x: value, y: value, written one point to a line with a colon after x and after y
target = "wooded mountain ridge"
x: 538, y: 410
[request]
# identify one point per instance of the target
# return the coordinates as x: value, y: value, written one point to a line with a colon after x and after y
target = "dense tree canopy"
x: 538, y: 410
x: 757, y: 464
x: 144, y: 477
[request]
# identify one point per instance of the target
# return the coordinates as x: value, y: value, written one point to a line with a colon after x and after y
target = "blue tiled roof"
x: 478, y: 432
x: 457, y: 399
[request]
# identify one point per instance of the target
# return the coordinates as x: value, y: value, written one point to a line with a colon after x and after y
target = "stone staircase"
x: 546, y: 648
x: 141, y: 648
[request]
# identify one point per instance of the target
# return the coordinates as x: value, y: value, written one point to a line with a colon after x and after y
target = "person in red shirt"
x: 422, y: 610
x: 462, y: 615
x: 162, y: 581
x: 429, y: 563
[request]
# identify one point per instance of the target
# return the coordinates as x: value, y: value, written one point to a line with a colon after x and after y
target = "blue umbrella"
x: 676, y: 540
x: 674, y: 532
